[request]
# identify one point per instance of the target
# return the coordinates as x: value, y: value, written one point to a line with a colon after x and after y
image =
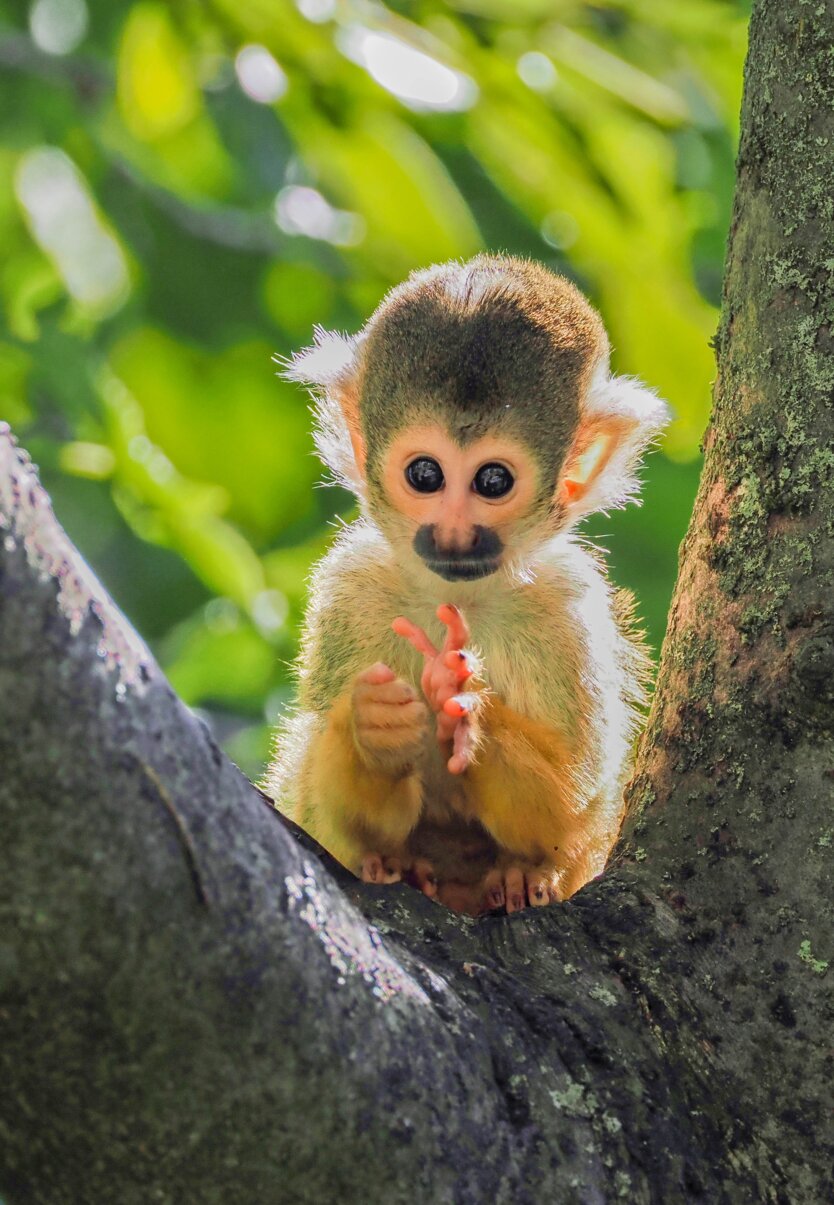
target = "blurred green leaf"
x: 158, y: 92
x: 225, y: 418
x: 298, y: 296
x: 14, y: 371
x: 210, y: 664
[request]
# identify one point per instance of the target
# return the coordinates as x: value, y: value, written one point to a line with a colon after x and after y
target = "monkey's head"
x: 475, y: 417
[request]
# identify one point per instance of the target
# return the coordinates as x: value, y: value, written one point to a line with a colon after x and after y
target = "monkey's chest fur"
x: 515, y: 633
x: 552, y: 650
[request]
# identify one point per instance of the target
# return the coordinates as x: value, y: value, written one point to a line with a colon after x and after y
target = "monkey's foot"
x: 515, y: 888
x: 376, y: 869
x: 461, y: 897
x: 422, y: 877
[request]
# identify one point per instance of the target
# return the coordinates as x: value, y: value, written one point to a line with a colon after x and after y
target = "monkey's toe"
x: 515, y: 888
x: 514, y: 891
x: 539, y: 890
x: 376, y: 869
x: 424, y: 878
x: 392, y: 870
x: 371, y: 870
x: 494, y: 891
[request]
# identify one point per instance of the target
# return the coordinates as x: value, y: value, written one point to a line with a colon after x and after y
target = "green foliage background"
x: 153, y: 257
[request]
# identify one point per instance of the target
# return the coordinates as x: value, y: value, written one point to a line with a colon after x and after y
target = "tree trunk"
x: 197, y: 1006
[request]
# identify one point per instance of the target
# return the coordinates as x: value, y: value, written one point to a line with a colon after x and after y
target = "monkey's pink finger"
x: 461, y: 705
x: 376, y: 675
x: 414, y: 635
x: 442, y: 683
x: 462, y: 663
x: 392, y: 870
x: 457, y: 634
x: 390, y: 715
x: 462, y: 745
x: 393, y: 693
x: 445, y: 727
x: 556, y: 893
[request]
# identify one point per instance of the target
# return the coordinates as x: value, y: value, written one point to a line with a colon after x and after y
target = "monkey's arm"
x: 356, y: 789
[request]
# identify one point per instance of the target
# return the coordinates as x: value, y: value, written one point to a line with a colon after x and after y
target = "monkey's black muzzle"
x: 455, y: 563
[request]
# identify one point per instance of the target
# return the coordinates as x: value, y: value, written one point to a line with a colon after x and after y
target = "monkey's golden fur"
x: 496, y: 345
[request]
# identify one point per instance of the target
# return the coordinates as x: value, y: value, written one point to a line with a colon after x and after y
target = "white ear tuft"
x: 621, y: 417
x: 330, y: 367
x: 331, y: 359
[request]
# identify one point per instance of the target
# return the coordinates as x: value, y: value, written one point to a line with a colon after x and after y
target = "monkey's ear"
x: 620, y: 417
x: 331, y: 368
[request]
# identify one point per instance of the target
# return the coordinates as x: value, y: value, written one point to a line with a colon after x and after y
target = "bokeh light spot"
x: 414, y: 77
x: 560, y: 230
x: 259, y: 75
x: 67, y: 226
x: 317, y: 11
x: 270, y: 610
x: 58, y: 26
x: 537, y: 71
x: 302, y: 210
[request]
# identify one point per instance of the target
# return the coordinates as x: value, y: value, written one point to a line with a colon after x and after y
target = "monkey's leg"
x: 514, y: 773
x: 362, y: 793
x: 521, y: 789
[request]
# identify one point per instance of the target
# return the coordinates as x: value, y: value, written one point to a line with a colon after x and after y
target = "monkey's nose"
x: 455, y: 554
x: 457, y: 541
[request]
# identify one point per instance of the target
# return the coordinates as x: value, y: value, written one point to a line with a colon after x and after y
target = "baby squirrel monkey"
x: 476, y: 420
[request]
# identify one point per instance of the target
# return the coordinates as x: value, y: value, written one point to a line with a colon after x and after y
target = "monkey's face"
x: 459, y: 505
x: 475, y: 416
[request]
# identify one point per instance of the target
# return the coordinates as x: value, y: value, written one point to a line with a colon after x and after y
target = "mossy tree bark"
x: 195, y: 1007
x: 734, y: 794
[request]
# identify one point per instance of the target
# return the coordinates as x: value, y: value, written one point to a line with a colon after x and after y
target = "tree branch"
x: 194, y: 1008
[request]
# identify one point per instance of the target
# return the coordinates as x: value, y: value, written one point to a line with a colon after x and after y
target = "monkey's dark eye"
x: 493, y: 481
x: 424, y: 475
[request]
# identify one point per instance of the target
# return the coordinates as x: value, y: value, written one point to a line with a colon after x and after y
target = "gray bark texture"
x: 198, y: 1006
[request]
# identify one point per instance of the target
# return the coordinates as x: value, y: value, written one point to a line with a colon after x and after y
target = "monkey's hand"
x: 389, y: 721
x: 444, y: 673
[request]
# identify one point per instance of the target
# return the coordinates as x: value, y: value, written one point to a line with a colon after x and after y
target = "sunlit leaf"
x: 418, y: 215
x: 14, y: 372
x: 69, y: 228
x: 229, y: 666
x: 228, y: 419
x: 297, y: 296
x: 163, y: 506
x: 157, y: 90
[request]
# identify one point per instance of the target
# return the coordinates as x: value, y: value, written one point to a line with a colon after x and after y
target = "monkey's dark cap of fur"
x: 494, y: 342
